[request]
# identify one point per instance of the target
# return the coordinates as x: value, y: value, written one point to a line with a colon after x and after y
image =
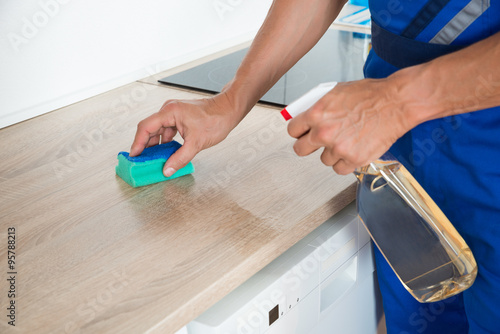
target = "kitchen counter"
x: 93, y: 255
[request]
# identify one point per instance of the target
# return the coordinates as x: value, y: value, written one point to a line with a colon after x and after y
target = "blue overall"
x: 456, y: 159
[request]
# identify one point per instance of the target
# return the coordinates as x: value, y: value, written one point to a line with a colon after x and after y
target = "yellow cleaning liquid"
x: 423, y: 248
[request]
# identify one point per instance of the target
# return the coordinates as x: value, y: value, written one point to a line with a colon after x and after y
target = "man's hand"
x: 201, y: 123
x: 356, y: 122
x: 275, y: 49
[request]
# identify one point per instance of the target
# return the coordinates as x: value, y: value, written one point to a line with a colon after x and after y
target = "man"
x: 432, y: 101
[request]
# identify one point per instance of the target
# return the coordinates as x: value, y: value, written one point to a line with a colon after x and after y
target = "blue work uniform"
x: 456, y: 159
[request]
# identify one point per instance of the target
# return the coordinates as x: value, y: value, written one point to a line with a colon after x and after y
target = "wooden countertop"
x: 94, y: 255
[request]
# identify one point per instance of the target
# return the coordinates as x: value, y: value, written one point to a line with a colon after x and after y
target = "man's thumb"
x: 179, y: 159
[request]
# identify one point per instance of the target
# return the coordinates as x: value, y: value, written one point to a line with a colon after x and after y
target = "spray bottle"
x: 426, y: 252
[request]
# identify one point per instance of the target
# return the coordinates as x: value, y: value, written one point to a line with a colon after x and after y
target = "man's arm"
x: 464, y: 81
x: 357, y: 122
x: 291, y: 28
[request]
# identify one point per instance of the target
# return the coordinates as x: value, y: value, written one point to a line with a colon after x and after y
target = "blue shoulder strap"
x: 423, y: 18
x: 404, y: 50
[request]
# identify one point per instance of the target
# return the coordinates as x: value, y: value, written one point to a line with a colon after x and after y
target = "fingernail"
x: 169, y: 172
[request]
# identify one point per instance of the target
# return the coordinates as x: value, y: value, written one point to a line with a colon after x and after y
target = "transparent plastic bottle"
x: 421, y: 245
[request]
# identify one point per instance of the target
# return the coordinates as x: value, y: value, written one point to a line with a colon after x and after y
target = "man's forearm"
x: 291, y: 29
x: 464, y: 81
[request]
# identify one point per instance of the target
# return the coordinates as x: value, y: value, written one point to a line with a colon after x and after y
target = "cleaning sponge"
x: 147, y: 168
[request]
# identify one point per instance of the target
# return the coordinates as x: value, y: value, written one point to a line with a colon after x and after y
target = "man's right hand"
x: 201, y: 123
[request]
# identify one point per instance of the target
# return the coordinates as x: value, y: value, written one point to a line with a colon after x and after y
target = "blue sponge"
x: 147, y: 168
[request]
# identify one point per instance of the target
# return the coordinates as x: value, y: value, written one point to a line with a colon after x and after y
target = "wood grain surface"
x: 94, y: 255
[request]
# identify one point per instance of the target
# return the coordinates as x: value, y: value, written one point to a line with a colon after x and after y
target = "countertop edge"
x: 205, y: 300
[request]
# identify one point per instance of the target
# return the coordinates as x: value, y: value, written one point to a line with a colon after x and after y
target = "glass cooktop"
x: 338, y: 56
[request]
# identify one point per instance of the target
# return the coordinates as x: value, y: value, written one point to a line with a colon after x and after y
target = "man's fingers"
x: 303, y: 146
x: 148, y: 128
x: 168, y: 134
x: 163, y: 136
x: 343, y: 168
x: 153, y: 140
x: 179, y: 159
x: 329, y: 158
x: 140, y: 142
x: 298, y: 126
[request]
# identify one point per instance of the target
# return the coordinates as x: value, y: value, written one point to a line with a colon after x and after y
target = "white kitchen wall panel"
x: 57, y: 52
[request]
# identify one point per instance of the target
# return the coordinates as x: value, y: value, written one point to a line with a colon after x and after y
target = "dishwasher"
x: 326, y: 283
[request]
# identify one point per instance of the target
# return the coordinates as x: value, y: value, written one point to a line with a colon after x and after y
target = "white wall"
x: 57, y: 52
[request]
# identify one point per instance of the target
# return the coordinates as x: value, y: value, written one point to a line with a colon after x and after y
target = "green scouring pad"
x: 147, y: 168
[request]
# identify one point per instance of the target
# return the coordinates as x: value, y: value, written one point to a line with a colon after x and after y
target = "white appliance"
x: 324, y: 284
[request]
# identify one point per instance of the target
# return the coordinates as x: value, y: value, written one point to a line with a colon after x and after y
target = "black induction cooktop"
x: 338, y: 56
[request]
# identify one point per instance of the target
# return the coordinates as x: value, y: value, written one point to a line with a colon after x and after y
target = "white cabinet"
x: 323, y: 284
